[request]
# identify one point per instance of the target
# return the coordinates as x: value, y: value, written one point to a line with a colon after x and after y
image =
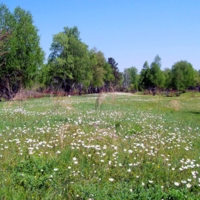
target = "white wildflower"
x: 188, y: 185
x: 176, y: 183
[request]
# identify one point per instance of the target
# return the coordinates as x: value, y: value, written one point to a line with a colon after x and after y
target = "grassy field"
x: 108, y: 146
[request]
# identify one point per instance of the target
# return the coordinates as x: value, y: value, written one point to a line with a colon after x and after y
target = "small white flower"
x: 188, y: 185
x: 111, y: 179
x: 150, y: 181
x: 55, y: 169
x: 129, y: 170
x: 176, y: 183
x: 194, y: 173
x: 184, y: 182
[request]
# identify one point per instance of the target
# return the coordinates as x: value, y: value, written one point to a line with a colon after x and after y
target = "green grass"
x: 101, y: 147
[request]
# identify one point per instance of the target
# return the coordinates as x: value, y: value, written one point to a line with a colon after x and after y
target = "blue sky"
x: 130, y: 31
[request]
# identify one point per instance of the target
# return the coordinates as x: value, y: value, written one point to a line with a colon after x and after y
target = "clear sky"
x: 130, y: 31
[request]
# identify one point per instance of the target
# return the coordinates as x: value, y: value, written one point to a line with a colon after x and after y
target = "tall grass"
x: 100, y: 147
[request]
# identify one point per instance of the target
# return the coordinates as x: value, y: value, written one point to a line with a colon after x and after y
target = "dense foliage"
x: 71, y: 65
x: 23, y: 57
x: 180, y: 77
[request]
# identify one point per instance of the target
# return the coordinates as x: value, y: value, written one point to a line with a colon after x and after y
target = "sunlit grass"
x: 127, y: 147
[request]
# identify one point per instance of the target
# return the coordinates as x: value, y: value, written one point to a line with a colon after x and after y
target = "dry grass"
x: 99, y: 101
x: 27, y: 94
x: 175, y: 105
x: 61, y: 102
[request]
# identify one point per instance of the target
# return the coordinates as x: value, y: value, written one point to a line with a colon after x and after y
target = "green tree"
x: 108, y: 76
x: 43, y: 78
x: 101, y: 71
x: 183, y: 75
x: 145, y: 77
x: 134, y: 77
x: 131, y: 78
x: 97, y: 61
x: 4, y: 49
x: 69, y: 60
x: 168, y: 78
x: 126, y: 78
x: 25, y: 55
x: 156, y: 74
x: 197, y: 78
x: 117, y: 75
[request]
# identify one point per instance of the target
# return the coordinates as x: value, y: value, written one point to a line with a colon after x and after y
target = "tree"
x: 98, y: 71
x: 69, y: 60
x: 24, y: 55
x: 145, y: 80
x: 101, y: 72
x: 108, y: 76
x: 156, y: 74
x: 134, y: 77
x: 168, y: 78
x: 197, y: 78
x: 126, y: 78
x: 151, y: 77
x: 117, y: 75
x: 183, y: 75
x: 4, y: 49
x: 43, y: 78
x: 130, y: 78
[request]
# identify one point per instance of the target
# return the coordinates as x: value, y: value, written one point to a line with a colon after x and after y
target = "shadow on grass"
x: 193, y: 112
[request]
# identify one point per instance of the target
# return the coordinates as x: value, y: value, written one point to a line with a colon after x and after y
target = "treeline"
x: 180, y: 77
x: 71, y: 65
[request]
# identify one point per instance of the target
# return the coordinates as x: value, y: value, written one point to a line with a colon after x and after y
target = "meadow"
x: 101, y: 146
